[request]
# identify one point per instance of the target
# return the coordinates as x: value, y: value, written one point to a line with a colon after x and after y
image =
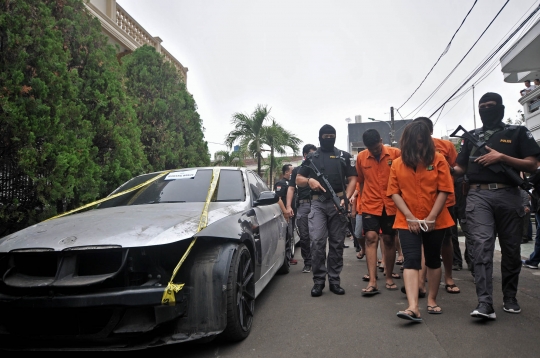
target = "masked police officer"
x: 325, y: 221
x: 494, y: 202
x: 280, y: 188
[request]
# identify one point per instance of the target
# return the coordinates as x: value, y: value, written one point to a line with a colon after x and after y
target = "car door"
x: 269, y: 230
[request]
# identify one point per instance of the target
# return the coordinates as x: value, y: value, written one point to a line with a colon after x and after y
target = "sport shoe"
x: 511, y: 305
x: 527, y: 263
x: 307, y: 268
x: 484, y: 310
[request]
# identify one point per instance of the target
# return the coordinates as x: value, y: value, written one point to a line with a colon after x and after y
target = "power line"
x: 490, y: 57
x: 417, y: 109
x: 444, y: 53
x: 495, y: 62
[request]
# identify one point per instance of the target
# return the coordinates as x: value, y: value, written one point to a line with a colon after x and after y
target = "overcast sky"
x: 316, y: 62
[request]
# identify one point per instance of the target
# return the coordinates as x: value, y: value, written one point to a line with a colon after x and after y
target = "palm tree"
x: 278, y: 138
x: 225, y: 158
x: 247, y: 130
x: 276, y: 163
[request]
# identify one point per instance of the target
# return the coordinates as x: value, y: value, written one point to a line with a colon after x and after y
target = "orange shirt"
x: 374, y: 175
x: 447, y: 149
x: 419, y: 190
x: 358, y: 200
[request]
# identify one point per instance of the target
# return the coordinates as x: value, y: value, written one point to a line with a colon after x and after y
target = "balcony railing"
x: 142, y: 37
x: 531, y: 102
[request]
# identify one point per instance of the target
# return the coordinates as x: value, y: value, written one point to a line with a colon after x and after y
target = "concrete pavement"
x: 290, y: 323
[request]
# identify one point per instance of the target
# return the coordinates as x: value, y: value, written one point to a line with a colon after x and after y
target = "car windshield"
x: 182, y: 186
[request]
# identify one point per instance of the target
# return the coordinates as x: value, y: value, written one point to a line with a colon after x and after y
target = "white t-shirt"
x: 530, y: 89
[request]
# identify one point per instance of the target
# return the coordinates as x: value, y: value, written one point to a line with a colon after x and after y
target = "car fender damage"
x: 132, y: 317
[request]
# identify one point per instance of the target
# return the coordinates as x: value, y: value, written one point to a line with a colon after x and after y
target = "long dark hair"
x: 410, y: 153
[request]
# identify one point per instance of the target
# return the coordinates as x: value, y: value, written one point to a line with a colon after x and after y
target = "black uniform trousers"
x: 491, y: 212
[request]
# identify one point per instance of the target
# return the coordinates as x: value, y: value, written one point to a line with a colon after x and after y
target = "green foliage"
x: 172, y: 132
x: 248, y: 130
x: 225, y: 159
x: 44, y: 134
x: 70, y: 124
x: 278, y: 138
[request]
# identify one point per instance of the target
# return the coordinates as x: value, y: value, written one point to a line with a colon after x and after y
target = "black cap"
x: 491, y: 96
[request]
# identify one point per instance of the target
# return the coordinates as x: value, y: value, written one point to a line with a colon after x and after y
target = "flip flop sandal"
x: 402, y: 268
x: 366, y: 278
x: 373, y: 291
x: 381, y: 268
x: 399, y: 262
x: 391, y: 287
x: 410, y: 317
x: 361, y: 256
x: 431, y: 310
x: 394, y: 275
x: 451, y: 287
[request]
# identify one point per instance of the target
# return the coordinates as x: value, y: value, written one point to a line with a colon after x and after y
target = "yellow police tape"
x: 111, y: 196
x: 173, y: 288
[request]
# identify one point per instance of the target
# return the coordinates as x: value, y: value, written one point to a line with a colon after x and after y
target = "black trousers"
x: 411, y: 245
x: 489, y: 213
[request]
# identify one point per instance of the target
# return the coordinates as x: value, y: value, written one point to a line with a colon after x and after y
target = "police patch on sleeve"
x: 529, y: 135
x: 353, y: 162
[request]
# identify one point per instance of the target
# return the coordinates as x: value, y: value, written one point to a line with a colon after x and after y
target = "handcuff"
x: 423, y: 223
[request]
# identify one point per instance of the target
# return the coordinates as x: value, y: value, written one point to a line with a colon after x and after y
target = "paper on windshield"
x: 185, y: 174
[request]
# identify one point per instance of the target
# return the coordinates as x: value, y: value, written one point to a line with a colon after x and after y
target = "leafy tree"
x: 171, y: 129
x: 248, y: 130
x: 278, y: 139
x: 115, y: 134
x: 45, y: 142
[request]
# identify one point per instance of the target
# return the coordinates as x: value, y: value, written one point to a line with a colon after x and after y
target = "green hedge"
x: 74, y: 122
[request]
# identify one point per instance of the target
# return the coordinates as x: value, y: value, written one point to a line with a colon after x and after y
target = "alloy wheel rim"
x: 245, y: 289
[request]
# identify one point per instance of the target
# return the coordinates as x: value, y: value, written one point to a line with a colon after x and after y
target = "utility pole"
x: 392, y: 131
x: 473, y: 107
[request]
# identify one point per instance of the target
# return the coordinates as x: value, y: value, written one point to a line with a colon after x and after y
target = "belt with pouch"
x: 315, y: 197
x: 491, y: 186
x: 301, y: 201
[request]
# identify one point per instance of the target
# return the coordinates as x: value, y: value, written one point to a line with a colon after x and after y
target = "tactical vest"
x: 333, y: 166
x: 503, y: 140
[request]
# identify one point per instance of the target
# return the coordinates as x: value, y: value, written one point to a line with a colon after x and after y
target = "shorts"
x: 376, y: 223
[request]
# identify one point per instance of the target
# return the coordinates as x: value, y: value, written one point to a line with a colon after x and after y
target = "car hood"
x: 125, y: 226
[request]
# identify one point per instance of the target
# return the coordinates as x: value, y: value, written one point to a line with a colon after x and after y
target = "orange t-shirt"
x: 358, y: 200
x: 447, y: 149
x: 420, y: 189
x: 374, y: 175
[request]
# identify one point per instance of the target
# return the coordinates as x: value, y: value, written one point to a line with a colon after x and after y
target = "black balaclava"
x: 327, y: 144
x: 492, y: 117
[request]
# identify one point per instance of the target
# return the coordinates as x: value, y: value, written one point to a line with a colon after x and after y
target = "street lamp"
x: 392, y: 131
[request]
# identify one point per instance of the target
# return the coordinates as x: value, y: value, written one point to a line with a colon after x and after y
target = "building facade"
x: 126, y: 33
x: 520, y: 63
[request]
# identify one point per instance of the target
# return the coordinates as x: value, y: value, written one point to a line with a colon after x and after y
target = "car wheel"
x: 240, y: 296
x: 286, y: 267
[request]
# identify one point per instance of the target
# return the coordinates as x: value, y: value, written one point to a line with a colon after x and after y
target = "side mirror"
x: 266, y: 198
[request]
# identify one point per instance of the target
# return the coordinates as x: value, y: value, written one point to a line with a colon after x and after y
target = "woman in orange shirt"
x: 419, y: 184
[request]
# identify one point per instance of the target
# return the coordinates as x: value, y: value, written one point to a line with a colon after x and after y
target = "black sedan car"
x: 168, y: 257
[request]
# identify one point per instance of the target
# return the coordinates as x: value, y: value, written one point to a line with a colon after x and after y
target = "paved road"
x: 290, y: 323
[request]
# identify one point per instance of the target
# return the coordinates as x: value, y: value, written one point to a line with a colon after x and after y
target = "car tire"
x: 286, y: 266
x: 240, y: 296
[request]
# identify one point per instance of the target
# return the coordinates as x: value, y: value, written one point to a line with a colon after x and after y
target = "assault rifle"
x: 343, y: 213
x: 497, y: 167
